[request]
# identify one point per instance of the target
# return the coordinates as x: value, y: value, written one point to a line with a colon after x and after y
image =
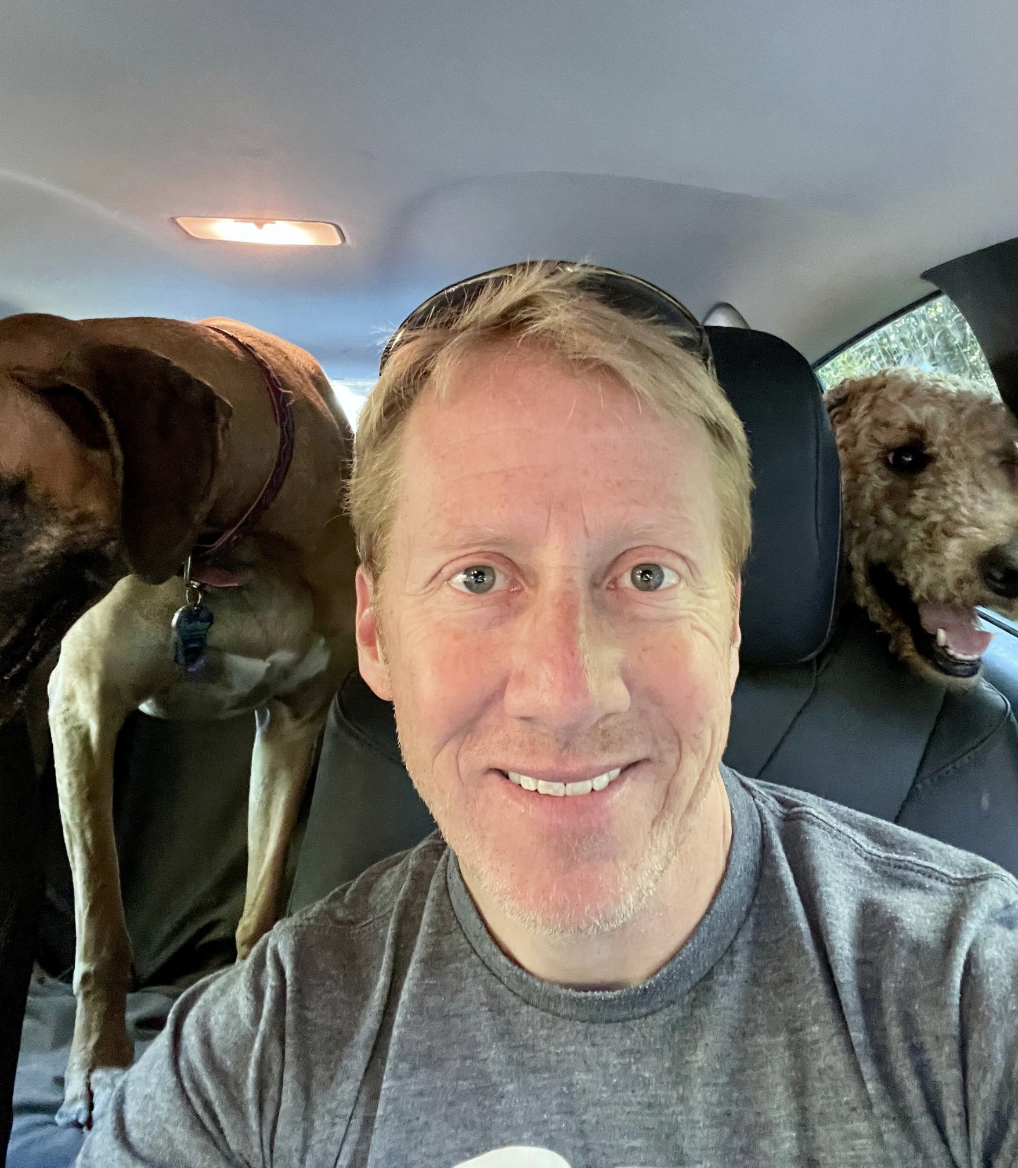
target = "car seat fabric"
x: 853, y: 739
x: 366, y: 807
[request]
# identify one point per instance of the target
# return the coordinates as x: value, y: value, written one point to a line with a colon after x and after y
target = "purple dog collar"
x: 203, y: 569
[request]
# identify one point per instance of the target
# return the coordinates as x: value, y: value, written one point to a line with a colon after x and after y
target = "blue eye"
x: 651, y: 577
x: 478, y: 578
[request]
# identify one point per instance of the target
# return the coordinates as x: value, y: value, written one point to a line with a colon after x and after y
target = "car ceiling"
x: 804, y: 161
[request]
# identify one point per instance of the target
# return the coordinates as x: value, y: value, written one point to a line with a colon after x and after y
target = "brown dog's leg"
x: 84, y: 730
x: 283, y: 751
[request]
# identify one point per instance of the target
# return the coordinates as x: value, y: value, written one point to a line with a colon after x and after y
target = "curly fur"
x: 931, y: 528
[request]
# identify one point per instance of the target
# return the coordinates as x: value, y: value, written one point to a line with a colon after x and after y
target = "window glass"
x: 351, y: 395
x: 933, y: 336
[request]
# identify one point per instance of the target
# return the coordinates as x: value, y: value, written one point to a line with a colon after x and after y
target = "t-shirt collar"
x: 697, y: 957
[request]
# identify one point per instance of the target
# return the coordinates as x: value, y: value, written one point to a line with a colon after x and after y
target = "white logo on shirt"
x: 517, y: 1157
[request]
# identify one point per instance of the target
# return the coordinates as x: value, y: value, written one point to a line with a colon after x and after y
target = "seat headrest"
x: 791, y: 577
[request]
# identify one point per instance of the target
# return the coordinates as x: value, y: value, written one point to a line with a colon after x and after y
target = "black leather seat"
x: 820, y: 705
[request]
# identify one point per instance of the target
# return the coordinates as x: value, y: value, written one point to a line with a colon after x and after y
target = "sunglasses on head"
x: 628, y: 294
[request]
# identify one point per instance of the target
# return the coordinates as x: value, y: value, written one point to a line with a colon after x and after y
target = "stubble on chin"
x: 555, y: 911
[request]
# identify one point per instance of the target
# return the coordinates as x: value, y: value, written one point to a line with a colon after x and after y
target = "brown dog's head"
x: 929, y: 468
x: 107, y: 459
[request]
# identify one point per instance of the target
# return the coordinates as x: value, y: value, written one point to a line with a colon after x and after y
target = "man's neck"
x: 636, y: 950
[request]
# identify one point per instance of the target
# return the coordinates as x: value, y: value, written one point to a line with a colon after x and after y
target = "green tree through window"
x: 933, y: 336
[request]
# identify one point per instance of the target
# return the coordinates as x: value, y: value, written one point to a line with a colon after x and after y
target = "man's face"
x: 554, y: 605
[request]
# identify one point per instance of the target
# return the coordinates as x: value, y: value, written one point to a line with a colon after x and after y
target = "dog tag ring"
x: 191, y: 625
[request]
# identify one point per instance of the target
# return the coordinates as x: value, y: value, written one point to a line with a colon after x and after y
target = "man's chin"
x: 596, y: 902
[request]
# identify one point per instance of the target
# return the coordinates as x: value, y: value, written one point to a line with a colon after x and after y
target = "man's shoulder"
x: 367, y: 904
x: 851, y: 849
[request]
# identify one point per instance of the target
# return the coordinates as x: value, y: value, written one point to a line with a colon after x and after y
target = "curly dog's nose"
x: 999, y: 568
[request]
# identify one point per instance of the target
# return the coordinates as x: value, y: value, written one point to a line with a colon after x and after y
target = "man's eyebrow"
x: 675, y: 536
x: 451, y: 539
x: 655, y: 532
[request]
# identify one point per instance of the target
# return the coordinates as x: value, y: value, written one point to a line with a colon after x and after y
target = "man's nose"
x: 566, y: 666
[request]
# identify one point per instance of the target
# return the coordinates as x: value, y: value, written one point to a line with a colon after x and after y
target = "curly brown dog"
x: 129, y: 448
x: 929, y: 469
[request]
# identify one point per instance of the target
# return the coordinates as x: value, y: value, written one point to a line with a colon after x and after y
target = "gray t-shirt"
x: 850, y: 999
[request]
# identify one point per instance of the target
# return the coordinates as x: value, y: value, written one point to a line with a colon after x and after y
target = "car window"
x: 351, y: 395
x: 932, y: 335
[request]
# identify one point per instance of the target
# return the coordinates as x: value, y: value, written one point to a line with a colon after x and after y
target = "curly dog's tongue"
x: 961, y: 634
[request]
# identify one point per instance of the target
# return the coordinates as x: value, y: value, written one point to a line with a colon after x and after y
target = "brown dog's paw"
x: 100, y: 1055
x: 87, y: 1096
x: 253, y: 926
x: 246, y: 941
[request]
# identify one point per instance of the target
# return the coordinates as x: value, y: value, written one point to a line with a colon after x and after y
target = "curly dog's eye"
x: 909, y: 459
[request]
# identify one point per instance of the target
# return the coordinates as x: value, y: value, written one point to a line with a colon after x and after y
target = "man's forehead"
x: 521, y: 371
x: 522, y: 401
x: 532, y: 442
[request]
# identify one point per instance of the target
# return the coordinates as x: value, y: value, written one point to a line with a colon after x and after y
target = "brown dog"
x: 124, y: 444
x: 929, y: 471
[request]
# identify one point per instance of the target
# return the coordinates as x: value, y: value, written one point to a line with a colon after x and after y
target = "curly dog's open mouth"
x: 946, y: 635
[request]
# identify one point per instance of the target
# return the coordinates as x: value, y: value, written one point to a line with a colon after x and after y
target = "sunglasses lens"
x: 627, y: 294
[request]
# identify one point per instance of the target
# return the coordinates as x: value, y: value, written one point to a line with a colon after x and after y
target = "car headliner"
x: 803, y: 160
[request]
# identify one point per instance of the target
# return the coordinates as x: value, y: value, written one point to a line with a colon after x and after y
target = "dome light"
x: 270, y: 232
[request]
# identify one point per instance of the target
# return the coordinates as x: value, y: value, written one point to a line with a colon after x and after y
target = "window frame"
x: 876, y: 326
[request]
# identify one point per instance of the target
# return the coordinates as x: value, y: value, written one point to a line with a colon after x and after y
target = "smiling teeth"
x: 582, y: 788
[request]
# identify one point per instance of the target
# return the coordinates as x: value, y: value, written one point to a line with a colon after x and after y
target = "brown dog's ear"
x: 165, y: 431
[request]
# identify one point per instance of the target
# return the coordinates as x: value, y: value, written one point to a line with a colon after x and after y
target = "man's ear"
x: 736, y: 632
x: 165, y: 431
x: 370, y: 655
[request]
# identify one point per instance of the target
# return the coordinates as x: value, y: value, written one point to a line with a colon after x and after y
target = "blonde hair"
x: 546, y: 303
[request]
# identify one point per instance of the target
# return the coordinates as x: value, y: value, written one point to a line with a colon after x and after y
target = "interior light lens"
x: 271, y: 232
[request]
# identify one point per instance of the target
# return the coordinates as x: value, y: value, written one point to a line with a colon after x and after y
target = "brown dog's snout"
x: 999, y: 569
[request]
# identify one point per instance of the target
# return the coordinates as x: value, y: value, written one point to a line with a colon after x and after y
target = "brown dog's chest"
x: 264, y: 643
x: 231, y: 683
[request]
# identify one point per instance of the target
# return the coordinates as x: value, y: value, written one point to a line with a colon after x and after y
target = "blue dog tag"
x: 191, y: 626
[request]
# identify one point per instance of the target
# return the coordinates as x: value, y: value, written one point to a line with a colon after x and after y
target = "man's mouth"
x: 948, y: 636
x: 560, y: 789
